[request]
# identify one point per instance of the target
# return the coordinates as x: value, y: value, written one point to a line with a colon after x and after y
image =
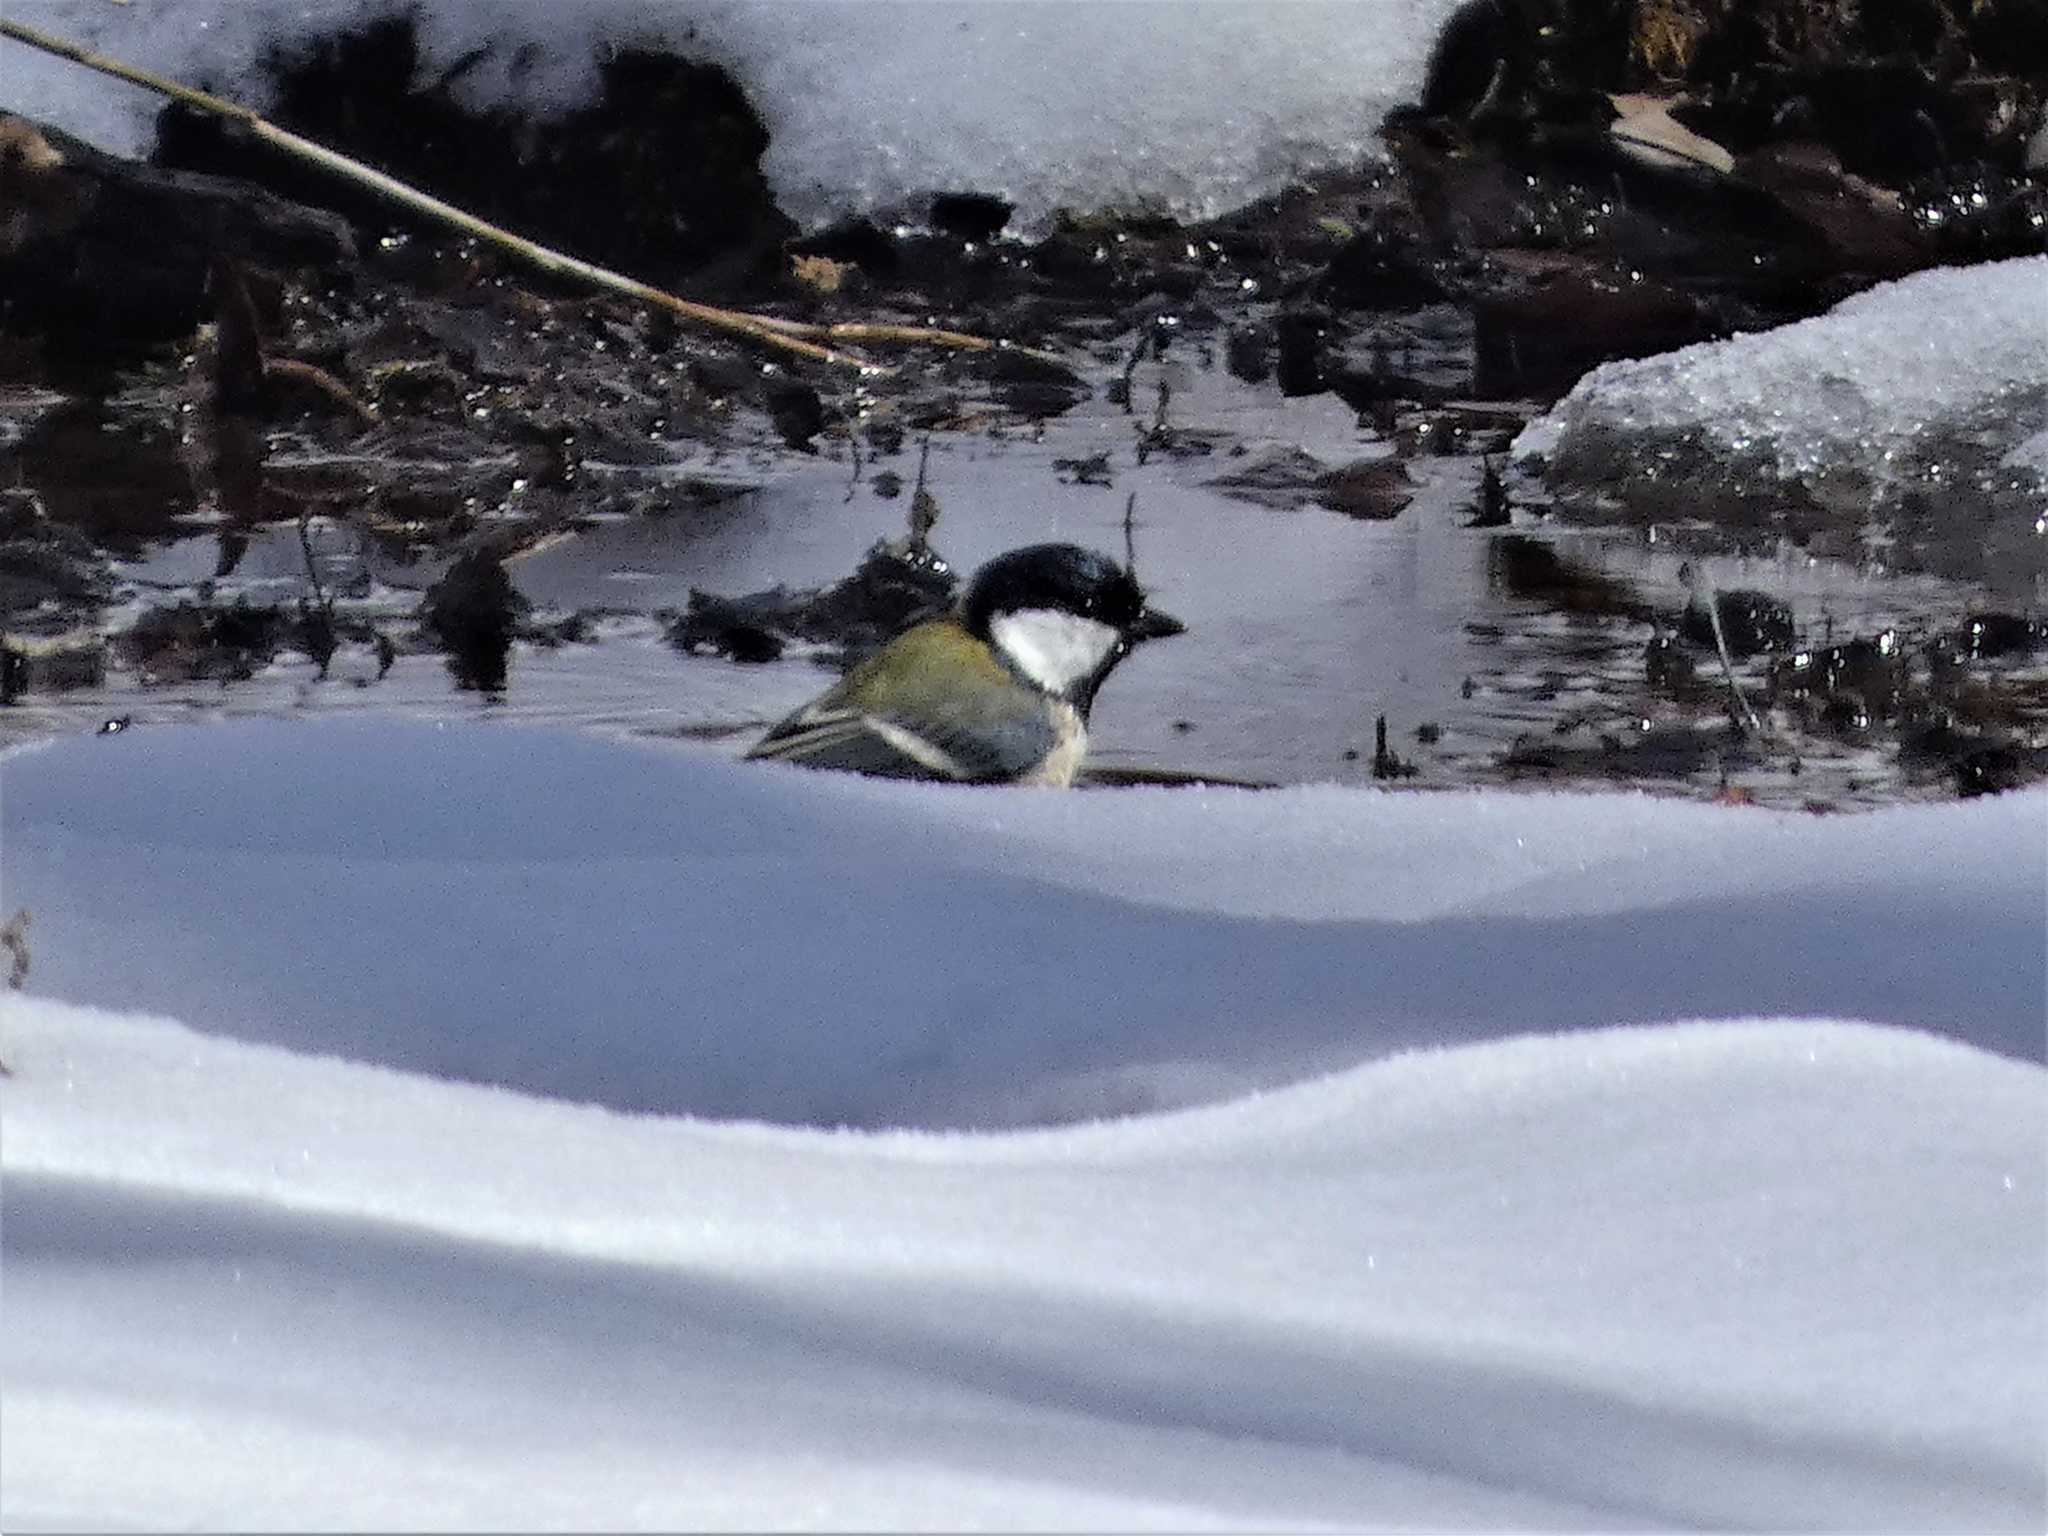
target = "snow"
x: 1950, y: 363
x: 993, y: 960
x: 1197, y: 104
x: 1556, y: 1162
x: 2031, y: 455
x: 473, y: 1126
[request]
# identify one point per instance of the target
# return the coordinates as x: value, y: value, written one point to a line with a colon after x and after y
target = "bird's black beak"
x: 1152, y: 624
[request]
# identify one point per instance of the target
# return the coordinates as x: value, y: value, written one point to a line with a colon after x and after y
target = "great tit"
x: 996, y: 692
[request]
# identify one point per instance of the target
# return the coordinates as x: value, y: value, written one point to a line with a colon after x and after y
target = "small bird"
x: 996, y: 692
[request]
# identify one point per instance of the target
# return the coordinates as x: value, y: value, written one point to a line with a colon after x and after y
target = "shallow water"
x: 1305, y: 626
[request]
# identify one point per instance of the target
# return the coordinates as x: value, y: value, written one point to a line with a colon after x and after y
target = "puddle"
x: 1495, y: 655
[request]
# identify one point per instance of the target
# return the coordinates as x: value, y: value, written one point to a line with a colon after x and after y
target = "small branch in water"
x: 1137, y: 356
x: 316, y: 621
x: 911, y: 335
x: 1159, y: 435
x: 853, y: 446
x: 312, y: 572
x: 1491, y: 508
x: 924, y: 506
x: 1385, y: 765
x: 1712, y: 596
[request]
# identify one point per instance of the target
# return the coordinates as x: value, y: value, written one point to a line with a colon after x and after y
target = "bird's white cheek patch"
x: 1055, y: 650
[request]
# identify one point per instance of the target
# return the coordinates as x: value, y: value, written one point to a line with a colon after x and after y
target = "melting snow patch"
x: 1935, y: 380
x: 1198, y: 105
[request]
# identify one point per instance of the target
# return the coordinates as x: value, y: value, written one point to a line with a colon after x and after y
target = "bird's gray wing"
x: 996, y: 744
x: 857, y: 742
x: 989, y: 747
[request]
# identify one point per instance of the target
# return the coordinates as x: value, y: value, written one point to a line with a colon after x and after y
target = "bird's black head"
x: 1064, y: 578
x: 1061, y: 616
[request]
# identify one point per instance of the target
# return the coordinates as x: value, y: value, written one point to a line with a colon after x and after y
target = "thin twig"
x: 783, y: 335
x: 924, y: 506
x: 853, y: 444
x: 1756, y: 726
x: 733, y: 322
x: 1131, y: 369
x: 1712, y: 594
x: 312, y: 570
x: 882, y: 330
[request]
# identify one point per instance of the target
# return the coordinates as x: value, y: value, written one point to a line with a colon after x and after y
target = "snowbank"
x: 1198, y: 104
x: 1768, y: 1270
x: 1784, y: 1275
x: 668, y: 930
x: 1933, y: 384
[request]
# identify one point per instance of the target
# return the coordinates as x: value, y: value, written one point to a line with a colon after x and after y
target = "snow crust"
x: 1785, y: 1275
x: 667, y: 930
x: 1950, y: 363
x: 1742, y: 1265
x: 1197, y: 105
